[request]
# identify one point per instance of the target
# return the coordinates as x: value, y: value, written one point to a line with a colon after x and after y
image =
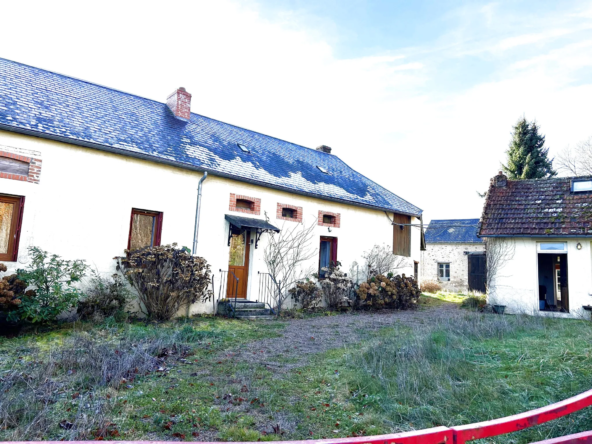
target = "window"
x: 244, y: 204
x: 145, y: 229
x: 327, y: 254
x: 11, y: 215
x: 323, y: 170
x: 290, y: 213
x: 552, y: 247
x: 581, y: 185
x: 243, y: 148
x: 327, y: 219
x: 401, y: 235
x: 444, y: 272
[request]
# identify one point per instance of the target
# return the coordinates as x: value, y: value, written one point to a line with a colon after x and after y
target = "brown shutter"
x: 401, y: 235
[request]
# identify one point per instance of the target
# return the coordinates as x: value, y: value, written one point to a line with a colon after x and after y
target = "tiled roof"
x: 541, y: 207
x: 51, y: 105
x: 452, y: 231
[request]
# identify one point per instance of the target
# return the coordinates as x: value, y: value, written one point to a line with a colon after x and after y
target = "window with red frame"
x: 327, y: 254
x: 11, y: 215
x: 145, y: 229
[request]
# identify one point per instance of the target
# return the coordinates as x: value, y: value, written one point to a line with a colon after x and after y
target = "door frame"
x: 247, y: 268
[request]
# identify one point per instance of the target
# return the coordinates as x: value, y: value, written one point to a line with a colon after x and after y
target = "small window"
x: 323, y: 170
x: 581, y: 185
x: 290, y: 213
x: 444, y: 272
x: 244, y: 204
x: 328, y: 219
x: 11, y: 211
x: 552, y: 247
x: 243, y: 148
x: 145, y: 229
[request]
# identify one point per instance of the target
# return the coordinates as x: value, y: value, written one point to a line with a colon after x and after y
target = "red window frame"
x: 15, y: 230
x: 332, y: 253
x: 157, y: 228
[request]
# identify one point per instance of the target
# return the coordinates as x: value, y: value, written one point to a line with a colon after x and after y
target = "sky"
x: 420, y: 96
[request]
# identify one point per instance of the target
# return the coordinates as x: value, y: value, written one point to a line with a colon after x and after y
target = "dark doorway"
x: 477, y: 272
x: 553, y: 288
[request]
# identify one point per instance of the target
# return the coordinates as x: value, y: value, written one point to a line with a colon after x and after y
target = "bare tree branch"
x: 286, y: 255
x: 576, y: 161
x: 379, y: 260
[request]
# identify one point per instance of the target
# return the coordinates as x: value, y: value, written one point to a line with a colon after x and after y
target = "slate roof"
x: 537, y: 208
x: 50, y: 105
x: 453, y: 231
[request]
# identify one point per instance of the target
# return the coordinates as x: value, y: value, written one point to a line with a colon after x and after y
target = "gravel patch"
x: 302, y: 338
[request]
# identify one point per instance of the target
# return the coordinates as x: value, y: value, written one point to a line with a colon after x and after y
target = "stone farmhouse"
x: 88, y: 171
x: 454, y: 255
x: 539, y: 235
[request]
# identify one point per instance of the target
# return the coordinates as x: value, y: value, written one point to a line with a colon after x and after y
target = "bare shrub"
x: 430, y: 287
x: 307, y: 294
x: 336, y: 287
x: 104, y: 297
x: 285, y: 256
x: 499, y: 251
x: 398, y: 292
x: 166, y: 279
x: 378, y: 260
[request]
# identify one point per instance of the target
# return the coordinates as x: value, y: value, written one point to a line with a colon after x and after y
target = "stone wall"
x: 454, y: 254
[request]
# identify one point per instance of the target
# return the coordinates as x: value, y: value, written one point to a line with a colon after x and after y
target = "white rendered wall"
x: 82, y: 206
x: 454, y: 254
x: 516, y: 283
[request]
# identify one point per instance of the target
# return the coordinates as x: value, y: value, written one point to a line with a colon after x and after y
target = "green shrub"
x: 166, y: 279
x: 474, y: 302
x: 398, y: 292
x: 105, y: 297
x: 52, y: 280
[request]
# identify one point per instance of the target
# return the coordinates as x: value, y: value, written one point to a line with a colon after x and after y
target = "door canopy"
x: 239, y: 224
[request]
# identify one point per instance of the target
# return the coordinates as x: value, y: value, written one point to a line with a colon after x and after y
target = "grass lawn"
x: 190, y: 379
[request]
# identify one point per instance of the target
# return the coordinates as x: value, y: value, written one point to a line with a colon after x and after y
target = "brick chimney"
x: 180, y: 103
x: 500, y: 181
x: 324, y: 149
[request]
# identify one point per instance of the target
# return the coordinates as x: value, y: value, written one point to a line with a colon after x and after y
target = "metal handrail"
x: 224, y: 282
x: 265, y: 288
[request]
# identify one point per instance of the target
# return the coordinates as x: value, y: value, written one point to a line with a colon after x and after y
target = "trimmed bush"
x: 398, y: 292
x: 166, y: 278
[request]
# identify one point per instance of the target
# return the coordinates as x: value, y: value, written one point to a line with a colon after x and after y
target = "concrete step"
x: 245, y: 305
x: 256, y: 318
x: 249, y: 312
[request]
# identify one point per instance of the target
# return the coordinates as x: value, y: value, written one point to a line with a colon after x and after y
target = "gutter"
x: 128, y: 153
x: 198, y: 211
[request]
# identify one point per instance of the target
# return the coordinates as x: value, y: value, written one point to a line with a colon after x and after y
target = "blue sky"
x: 420, y: 96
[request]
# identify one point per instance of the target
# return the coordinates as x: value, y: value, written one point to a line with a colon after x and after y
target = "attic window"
x: 243, y: 148
x: 244, y: 204
x: 322, y: 170
x: 328, y: 219
x: 578, y: 186
x: 290, y: 213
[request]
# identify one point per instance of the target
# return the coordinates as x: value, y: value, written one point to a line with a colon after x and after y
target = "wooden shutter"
x: 401, y: 235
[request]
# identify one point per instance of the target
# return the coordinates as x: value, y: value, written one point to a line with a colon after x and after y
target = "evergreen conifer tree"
x: 528, y: 158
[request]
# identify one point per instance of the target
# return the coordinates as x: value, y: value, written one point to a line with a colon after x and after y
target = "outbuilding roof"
x: 455, y: 231
x: 537, y: 207
x: 50, y: 105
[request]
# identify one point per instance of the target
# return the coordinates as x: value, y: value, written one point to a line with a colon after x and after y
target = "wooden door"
x: 238, y: 263
x: 477, y: 272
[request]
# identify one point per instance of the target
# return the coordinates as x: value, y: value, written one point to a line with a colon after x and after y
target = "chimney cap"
x: 500, y: 181
x: 324, y: 149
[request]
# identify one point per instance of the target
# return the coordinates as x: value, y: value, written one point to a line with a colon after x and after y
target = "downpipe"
x: 198, y: 211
